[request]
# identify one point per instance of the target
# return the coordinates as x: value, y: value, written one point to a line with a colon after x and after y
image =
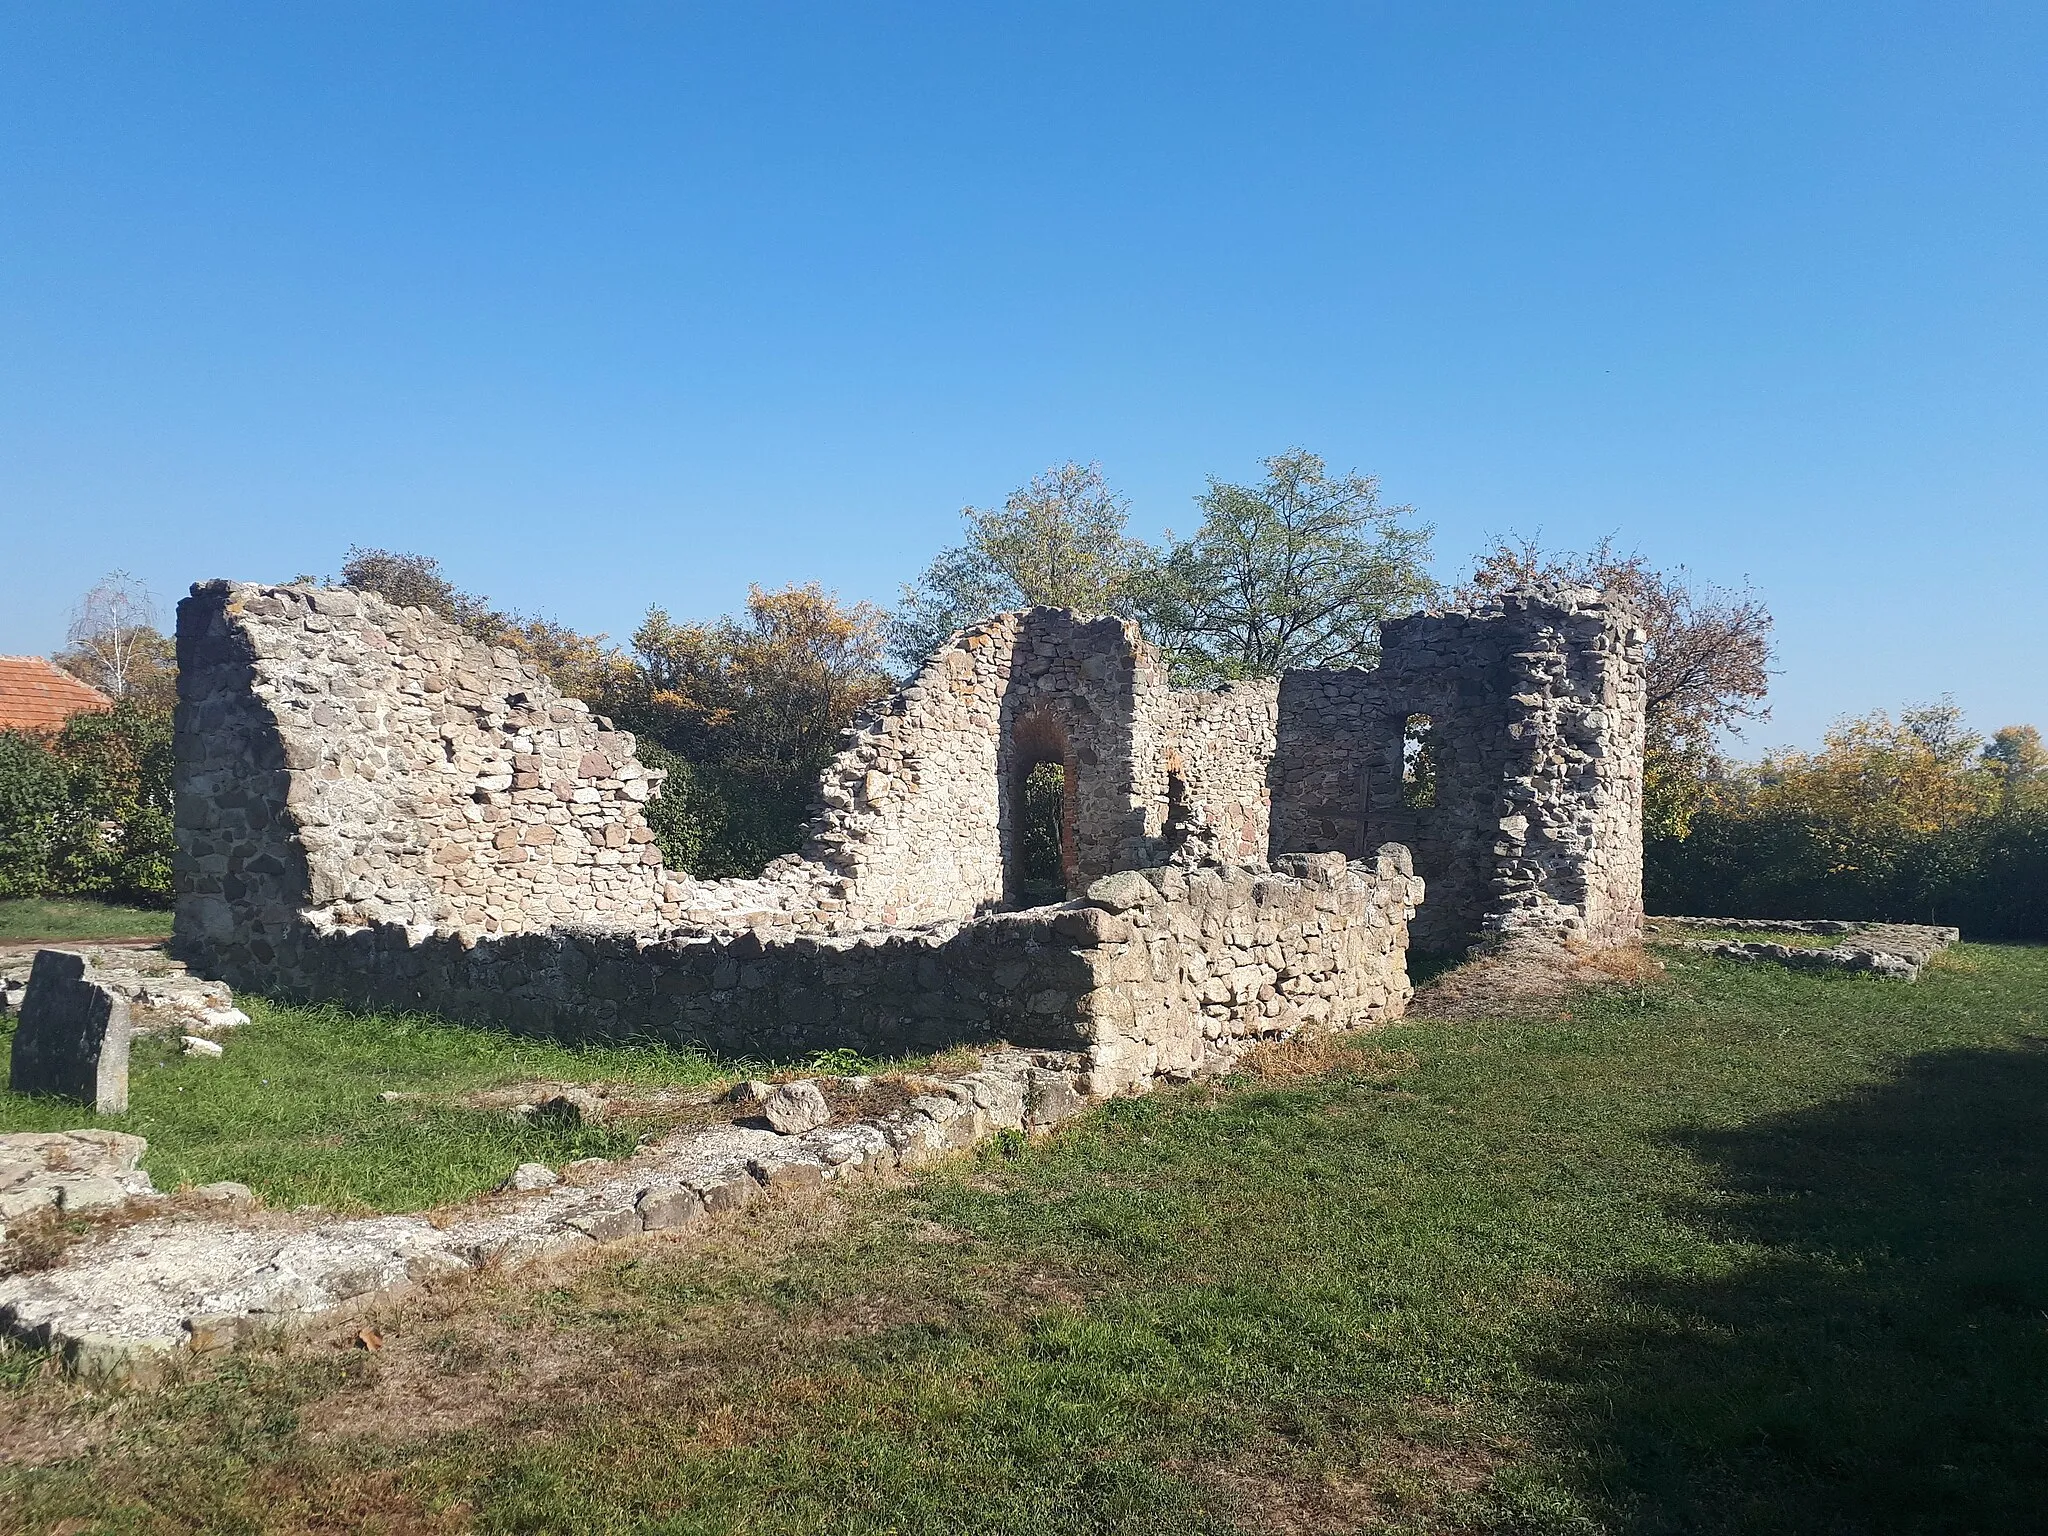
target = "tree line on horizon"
x: 1909, y: 819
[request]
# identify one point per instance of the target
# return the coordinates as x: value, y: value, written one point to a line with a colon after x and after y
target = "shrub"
x: 1913, y: 821
x: 86, y: 811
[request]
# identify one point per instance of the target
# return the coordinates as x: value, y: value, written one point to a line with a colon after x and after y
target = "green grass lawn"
x: 48, y: 918
x: 1742, y: 1250
x: 292, y: 1108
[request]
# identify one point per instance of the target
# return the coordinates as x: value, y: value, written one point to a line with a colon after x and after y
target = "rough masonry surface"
x: 376, y: 807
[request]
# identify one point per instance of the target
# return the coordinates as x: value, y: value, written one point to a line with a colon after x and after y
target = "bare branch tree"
x: 113, y: 642
x: 1709, y: 650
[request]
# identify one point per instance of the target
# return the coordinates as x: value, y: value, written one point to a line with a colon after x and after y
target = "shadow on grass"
x: 1878, y: 1358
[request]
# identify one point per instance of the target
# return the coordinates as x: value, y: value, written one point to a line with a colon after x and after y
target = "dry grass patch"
x: 1398, y: 1479
x: 1526, y: 979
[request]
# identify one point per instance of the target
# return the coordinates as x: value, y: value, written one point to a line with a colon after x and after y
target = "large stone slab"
x: 72, y: 1041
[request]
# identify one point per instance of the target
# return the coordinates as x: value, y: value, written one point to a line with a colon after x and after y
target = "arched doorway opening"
x: 1042, y: 863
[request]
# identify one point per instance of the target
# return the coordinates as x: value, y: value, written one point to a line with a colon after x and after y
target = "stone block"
x: 788, y: 1178
x: 731, y: 1194
x: 604, y: 1223
x: 72, y: 1041
x: 669, y: 1206
x: 795, y: 1108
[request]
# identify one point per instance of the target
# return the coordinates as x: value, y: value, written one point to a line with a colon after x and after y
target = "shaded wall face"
x: 1157, y: 978
x: 1536, y: 711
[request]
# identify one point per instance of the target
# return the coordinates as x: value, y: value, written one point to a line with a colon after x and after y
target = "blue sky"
x: 610, y: 305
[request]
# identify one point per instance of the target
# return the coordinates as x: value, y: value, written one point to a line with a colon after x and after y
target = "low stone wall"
x: 1154, y: 973
x: 1893, y: 950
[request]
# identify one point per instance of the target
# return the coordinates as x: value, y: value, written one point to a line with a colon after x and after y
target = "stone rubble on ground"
x: 163, y: 996
x: 795, y: 1108
x: 123, y: 1301
x: 68, y: 1171
x: 1895, y: 951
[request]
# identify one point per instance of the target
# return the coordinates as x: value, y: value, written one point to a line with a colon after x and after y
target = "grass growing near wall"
x: 49, y: 918
x: 292, y: 1108
x: 1744, y: 1250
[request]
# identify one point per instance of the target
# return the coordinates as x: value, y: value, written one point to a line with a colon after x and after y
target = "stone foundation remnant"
x: 1895, y: 951
x: 162, y: 1278
x: 375, y: 807
x: 72, y: 1039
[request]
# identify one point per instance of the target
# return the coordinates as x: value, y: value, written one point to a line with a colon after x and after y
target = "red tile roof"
x: 39, y: 695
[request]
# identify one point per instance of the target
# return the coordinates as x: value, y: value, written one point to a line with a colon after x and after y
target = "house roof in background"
x: 38, y: 695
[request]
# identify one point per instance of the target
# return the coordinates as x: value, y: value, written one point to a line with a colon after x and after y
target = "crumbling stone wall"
x: 1211, y: 767
x: 1536, y: 702
x: 374, y: 805
x: 1150, y: 974
x: 346, y: 763
x: 355, y: 763
x: 919, y: 818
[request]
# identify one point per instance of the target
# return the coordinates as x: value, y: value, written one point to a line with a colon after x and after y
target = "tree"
x: 86, y: 810
x: 1058, y: 541
x: 415, y: 581
x: 1905, y: 819
x: 1297, y: 571
x: 755, y: 707
x: 2016, y: 758
x: 1708, y: 661
x: 113, y: 644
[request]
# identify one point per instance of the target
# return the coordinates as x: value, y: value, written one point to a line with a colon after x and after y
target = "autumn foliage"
x: 745, y: 713
x: 1914, y: 819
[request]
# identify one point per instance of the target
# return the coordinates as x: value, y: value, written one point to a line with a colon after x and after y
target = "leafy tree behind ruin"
x: 743, y: 713
x: 1058, y: 540
x: 113, y: 644
x: 86, y: 810
x: 1296, y: 571
x: 753, y: 709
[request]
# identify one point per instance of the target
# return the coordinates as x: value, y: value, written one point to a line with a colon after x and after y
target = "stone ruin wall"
x: 344, y: 763
x: 363, y: 763
x: 1536, y: 703
x: 918, y: 814
x: 1163, y: 972
x: 374, y: 806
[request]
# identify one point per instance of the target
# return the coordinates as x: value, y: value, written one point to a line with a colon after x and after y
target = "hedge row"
x: 1988, y: 875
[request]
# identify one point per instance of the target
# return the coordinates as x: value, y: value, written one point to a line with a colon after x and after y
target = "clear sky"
x: 614, y: 304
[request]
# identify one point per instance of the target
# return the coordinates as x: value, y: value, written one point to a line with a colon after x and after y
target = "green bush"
x: 86, y: 811
x: 32, y: 797
x: 718, y: 824
x: 1987, y: 875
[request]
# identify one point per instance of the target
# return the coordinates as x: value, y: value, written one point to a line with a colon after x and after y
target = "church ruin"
x: 375, y: 807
